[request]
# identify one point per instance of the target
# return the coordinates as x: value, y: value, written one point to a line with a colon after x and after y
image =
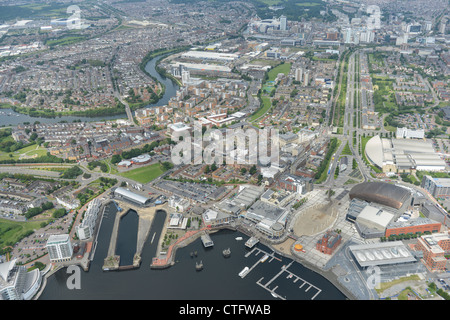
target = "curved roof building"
x: 403, y: 154
x: 381, y: 192
x: 131, y: 196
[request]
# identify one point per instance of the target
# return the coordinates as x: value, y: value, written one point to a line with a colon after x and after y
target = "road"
x: 349, y: 129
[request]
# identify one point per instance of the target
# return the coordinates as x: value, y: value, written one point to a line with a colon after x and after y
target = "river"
x: 10, y: 118
x: 218, y: 280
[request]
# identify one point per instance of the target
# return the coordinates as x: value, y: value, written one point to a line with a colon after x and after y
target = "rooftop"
x: 382, y: 253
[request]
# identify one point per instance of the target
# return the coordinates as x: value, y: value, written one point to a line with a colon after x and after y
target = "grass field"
x: 386, y: 285
x: 266, y: 104
x: 282, y: 68
x: 65, y: 40
x: 346, y: 150
x: 28, y: 152
x: 144, y: 174
x: 13, y: 231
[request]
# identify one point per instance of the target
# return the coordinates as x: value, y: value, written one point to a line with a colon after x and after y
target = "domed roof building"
x: 382, y: 193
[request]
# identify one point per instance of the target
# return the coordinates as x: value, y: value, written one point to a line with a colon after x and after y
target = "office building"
x: 437, y: 187
x: 434, y: 248
x: 283, y: 23
x: 59, y: 248
x: 412, y: 226
x: 410, y: 134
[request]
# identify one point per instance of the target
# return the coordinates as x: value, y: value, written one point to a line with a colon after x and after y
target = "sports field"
x: 144, y: 174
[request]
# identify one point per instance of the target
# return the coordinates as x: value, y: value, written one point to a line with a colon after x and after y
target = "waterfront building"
x: 132, y: 197
x: 269, y: 219
x: 329, y: 242
x: 59, y: 247
x: 217, y: 218
x: 16, y: 283
x: 86, y: 229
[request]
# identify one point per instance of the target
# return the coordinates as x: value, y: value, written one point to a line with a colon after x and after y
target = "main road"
x: 351, y: 106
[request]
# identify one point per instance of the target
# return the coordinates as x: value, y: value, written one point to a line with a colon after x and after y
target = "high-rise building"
x: 59, y: 247
x: 306, y: 79
x: 442, y: 26
x: 348, y: 35
x: 86, y: 229
x: 298, y: 74
x: 283, y: 23
x: 185, y: 77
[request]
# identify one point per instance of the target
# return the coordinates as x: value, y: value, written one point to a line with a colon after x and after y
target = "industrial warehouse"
x: 403, y: 155
x: 376, y: 254
x: 132, y: 197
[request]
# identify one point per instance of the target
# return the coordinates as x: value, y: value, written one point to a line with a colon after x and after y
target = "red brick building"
x: 434, y: 248
x: 329, y: 242
x: 413, y: 226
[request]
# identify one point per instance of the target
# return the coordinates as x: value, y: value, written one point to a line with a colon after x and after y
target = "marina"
x: 173, y: 282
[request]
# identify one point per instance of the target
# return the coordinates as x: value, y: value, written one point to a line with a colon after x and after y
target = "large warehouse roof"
x: 404, y: 153
x: 127, y: 194
x: 382, y: 253
x: 380, y: 192
x: 210, y: 55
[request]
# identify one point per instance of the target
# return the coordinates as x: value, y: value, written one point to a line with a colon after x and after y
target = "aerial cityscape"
x: 275, y: 149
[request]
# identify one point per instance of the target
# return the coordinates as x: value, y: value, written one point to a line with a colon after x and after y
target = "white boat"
x: 244, y: 272
x: 238, y: 238
x: 274, y: 294
x: 266, y: 256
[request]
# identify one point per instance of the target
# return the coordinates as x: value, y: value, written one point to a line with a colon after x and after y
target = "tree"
x: 116, y: 158
x: 167, y: 165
